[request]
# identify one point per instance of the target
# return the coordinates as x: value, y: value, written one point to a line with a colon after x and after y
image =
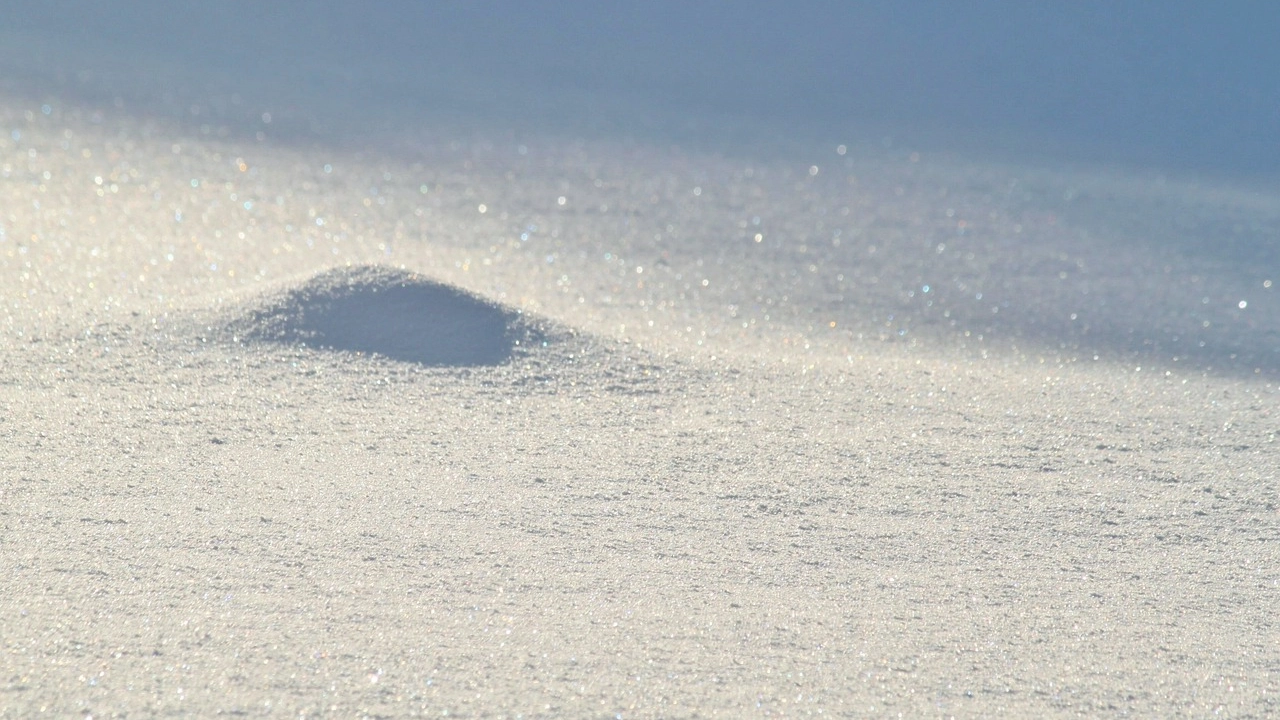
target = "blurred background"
x: 1176, y: 86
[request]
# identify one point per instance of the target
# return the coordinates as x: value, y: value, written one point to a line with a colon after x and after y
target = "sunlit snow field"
x: 555, y: 360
